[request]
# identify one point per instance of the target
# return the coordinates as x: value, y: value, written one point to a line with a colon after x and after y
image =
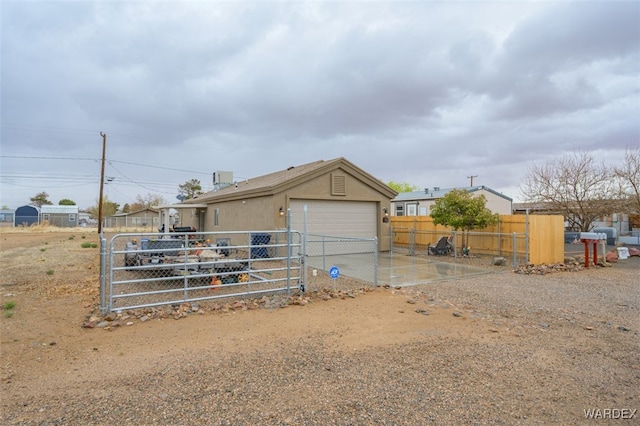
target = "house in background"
x: 146, y: 218
x: 340, y: 200
x: 27, y: 216
x: 7, y: 217
x: 61, y: 216
x: 419, y: 203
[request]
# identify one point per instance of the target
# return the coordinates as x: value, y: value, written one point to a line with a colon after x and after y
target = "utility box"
x: 258, y: 240
x: 222, y: 179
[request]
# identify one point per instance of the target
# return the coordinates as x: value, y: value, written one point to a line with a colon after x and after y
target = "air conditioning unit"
x: 222, y: 179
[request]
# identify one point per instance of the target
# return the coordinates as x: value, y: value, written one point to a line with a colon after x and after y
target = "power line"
x: 159, y: 167
x: 28, y: 157
x: 48, y: 158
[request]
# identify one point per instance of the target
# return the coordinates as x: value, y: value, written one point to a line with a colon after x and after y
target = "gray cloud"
x: 422, y: 92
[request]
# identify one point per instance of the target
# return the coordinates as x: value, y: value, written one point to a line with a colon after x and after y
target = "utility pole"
x: 471, y: 177
x: 104, y: 151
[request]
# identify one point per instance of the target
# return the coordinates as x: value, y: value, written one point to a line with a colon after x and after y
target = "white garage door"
x: 352, y: 219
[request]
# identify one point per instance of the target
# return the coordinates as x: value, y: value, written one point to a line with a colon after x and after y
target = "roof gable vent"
x: 338, y: 184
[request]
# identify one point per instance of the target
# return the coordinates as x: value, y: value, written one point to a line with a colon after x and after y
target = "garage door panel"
x: 341, y: 219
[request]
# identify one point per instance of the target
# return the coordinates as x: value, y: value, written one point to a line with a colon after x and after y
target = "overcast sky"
x: 423, y: 92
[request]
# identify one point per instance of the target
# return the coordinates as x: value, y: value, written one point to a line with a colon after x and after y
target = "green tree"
x: 462, y: 211
x: 190, y: 189
x: 402, y: 186
x: 109, y: 208
x: 66, y: 202
x: 40, y: 199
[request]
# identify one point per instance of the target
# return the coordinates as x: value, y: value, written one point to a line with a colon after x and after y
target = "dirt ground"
x: 49, y: 285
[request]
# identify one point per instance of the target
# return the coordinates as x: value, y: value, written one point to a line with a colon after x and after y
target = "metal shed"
x: 62, y: 216
x: 27, y: 216
x: 7, y: 217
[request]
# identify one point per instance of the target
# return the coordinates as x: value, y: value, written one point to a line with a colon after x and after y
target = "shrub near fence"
x: 544, y: 244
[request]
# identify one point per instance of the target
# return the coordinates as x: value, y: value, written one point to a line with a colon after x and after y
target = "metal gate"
x: 154, y: 269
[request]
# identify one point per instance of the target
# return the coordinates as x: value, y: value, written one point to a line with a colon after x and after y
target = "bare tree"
x: 148, y: 201
x: 628, y: 174
x: 575, y: 186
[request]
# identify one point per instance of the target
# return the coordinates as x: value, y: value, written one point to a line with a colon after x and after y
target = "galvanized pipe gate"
x: 141, y: 270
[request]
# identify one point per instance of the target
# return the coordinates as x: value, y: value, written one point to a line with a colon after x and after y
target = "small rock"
x: 499, y: 261
x: 457, y: 314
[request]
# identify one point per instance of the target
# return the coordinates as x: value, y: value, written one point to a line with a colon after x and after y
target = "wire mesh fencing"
x: 351, y: 258
x: 513, y: 247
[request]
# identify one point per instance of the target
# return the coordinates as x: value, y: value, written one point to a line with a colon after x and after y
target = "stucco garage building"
x: 145, y: 218
x: 342, y: 200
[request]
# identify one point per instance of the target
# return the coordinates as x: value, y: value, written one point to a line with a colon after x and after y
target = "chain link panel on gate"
x: 153, y: 269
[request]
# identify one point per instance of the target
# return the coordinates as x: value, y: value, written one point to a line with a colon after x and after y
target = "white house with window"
x: 419, y: 203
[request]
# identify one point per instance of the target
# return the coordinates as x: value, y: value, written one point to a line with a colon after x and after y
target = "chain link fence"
x: 153, y: 269
x: 514, y: 247
x: 356, y: 258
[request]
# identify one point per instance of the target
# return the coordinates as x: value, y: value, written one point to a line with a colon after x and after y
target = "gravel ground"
x: 497, y: 349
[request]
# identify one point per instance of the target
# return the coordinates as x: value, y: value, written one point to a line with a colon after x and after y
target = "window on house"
x: 399, y: 210
x: 72, y: 217
x: 411, y: 209
x: 216, y: 217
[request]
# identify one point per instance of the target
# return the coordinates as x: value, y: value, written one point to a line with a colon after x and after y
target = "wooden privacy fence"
x: 541, y: 236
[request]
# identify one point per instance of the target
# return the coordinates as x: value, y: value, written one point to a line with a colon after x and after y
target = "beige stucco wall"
x: 262, y: 213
